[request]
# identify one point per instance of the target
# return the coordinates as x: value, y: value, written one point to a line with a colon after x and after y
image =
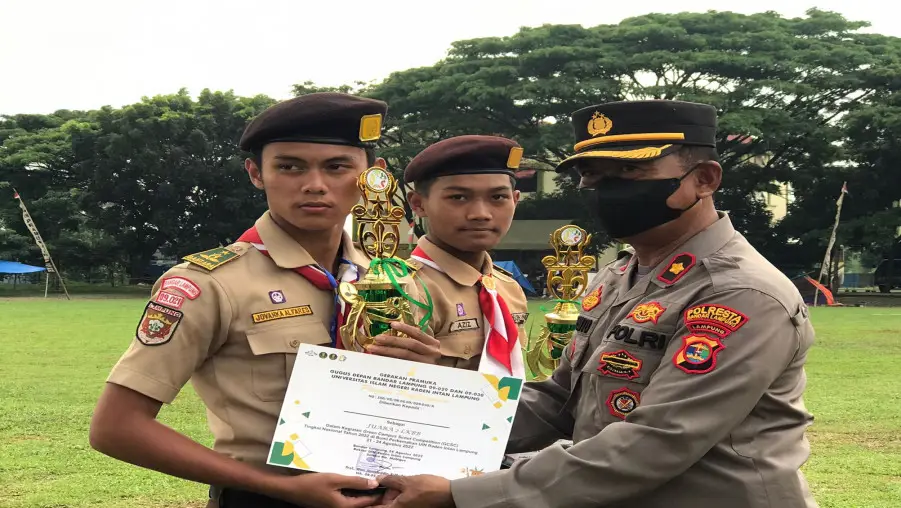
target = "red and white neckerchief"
x: 501, y: 354
x: 321, y: 278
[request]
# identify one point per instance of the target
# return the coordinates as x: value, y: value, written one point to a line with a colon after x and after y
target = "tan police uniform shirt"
x: 457, y: 320
x: 681, y: 391
x: 233, y: 330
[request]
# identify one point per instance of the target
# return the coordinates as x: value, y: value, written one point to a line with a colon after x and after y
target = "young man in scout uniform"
x: 465, y: 187
x: 231, y: 319
x: 683, y: 388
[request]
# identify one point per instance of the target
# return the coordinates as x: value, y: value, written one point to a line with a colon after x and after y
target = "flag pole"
x: 827, y: 257
x: 48, y: 261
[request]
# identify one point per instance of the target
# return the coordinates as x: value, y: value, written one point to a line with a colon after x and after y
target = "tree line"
x: 811, y: 102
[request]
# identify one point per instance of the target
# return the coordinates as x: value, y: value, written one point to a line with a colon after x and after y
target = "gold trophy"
x: 378, y: 298
x: 567, y: 278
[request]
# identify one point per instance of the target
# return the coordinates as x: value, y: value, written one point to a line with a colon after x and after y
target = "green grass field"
x: 56, y: 355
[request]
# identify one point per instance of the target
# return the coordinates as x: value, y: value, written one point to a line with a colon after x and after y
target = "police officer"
x: 683, y: 387
x: 230, y: 319
x: 465, y: 187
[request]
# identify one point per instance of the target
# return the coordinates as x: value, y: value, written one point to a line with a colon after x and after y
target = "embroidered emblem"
x: 698, y: 354
x: 592, y: 299
x: 619, y: 364
x: 677, y: 268
x: 599, y: 124
x: 170, y: 300
x: 272, y: 315
x: 277, y: 297
x: 488, y: 282
x: 622, y: 402
x: 464, y: 324
x: 714, y: 319
x: 213, y: 258
x: 520, y: 318
x: 460, y: 310
x: 650, y: 311
x: 158, y: 324
x: 182, y: 284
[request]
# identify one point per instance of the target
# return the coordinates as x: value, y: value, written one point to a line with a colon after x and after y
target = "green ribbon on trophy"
x: 379, y: 298
x: 567, y: 278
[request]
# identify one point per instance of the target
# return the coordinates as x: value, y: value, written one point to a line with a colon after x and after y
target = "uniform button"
x: 295, y: 343
x: 467, y: 349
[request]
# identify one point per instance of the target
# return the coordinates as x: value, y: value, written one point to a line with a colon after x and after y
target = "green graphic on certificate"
x: 365, y: 415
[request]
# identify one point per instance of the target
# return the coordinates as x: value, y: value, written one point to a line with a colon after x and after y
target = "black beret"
x: 465, y: 155
x: 640, y: 130
x: 326, y: 117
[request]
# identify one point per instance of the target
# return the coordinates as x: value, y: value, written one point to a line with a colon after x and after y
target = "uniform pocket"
x: 275, y: 351
x: 460, y: 346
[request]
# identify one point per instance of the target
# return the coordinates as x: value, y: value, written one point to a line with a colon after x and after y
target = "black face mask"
x: 628, y: 207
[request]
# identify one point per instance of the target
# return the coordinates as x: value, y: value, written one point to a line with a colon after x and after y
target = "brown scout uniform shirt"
x: 457, y: 320
x: 682, y: 391
x: 238, y: 354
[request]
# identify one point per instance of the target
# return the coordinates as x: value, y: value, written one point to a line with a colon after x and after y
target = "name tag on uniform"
x: 271, y: 315
x: 464, y: 324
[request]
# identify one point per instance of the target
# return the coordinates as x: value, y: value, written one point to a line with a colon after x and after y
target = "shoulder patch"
x: 158, y: 324
x: 413, y: 264
x: 714, y: 319
x: 697, y: 354
x: 680, y: 265
x: 182, y: 284
x: 213, y: 258
x: 592, y: 299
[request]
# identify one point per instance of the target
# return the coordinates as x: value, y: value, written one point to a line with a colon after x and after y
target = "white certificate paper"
x: 363, y: 415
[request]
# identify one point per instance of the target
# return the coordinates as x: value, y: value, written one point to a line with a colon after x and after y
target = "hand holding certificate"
x: 356, y: 414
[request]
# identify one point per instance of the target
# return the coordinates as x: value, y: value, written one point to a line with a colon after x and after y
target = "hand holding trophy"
x: 379, y: 298
x: 567, y: 277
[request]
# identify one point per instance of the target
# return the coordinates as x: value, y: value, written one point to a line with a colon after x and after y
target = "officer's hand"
x: 424, y: 491
x: 418, y: 347
x: 323, y: 490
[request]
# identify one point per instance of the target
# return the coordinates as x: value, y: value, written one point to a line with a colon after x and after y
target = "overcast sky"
x: 83, y: 54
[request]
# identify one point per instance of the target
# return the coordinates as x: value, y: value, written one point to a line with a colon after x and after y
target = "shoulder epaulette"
x: 501, y: 271
x: 412, y: 265
x: 214, y: 258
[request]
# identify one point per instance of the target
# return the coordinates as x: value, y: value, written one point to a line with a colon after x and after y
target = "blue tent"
x: 511, y: 267
x: 13, y: 267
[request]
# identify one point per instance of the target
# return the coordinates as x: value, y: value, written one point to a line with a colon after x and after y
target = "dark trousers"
x: 231, y: 498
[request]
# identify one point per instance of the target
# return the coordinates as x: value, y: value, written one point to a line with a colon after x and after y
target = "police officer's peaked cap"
x: 326, y: 117
x: 470, y: 154
x: 640, y: 130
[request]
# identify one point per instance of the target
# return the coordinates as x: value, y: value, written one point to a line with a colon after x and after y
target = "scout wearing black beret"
x: 469, y: 154
x: 640, y: 130
x: 326, y: 117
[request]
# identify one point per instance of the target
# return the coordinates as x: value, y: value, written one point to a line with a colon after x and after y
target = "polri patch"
x: 698, y: 354
x: 272, y: 315
x: 619, y: 364
x: 592, y: 299
x: 462, y: 325
x: 714, y: 319
x: 183, y: 284
x: 277, y: 297
x: 158, y: 324
x: 520, y: 318
x: 644, y: 312
x: 213, y: 258
x: 169, y: 299
x: 680, y: 265
x: 622, y: 402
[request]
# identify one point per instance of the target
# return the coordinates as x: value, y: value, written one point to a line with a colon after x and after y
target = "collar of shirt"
x: 460, y: 272
x: 287, y: 253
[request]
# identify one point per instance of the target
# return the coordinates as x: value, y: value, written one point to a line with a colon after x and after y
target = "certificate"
x: 363, y: 415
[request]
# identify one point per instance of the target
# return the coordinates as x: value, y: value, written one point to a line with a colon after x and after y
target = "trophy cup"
x: 567, y: 277
x: 378, y: 299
